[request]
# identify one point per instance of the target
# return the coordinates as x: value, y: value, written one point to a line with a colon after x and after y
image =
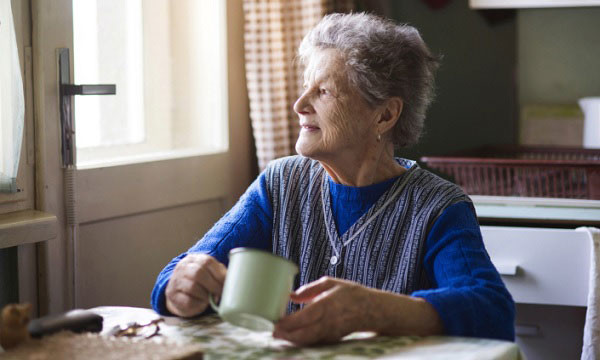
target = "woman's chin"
x: 305, y: 149
x: 302, y: 152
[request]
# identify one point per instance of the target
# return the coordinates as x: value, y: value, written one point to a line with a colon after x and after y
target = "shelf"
x: 521, y: 4
x: 499, y: 209
x: 28, y: 226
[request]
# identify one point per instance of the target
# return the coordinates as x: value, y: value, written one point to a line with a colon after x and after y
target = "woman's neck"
x: 371, y: 169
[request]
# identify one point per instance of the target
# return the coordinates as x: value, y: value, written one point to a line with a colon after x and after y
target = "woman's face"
x: 335, y: 120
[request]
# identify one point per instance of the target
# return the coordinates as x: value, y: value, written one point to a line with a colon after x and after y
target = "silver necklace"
x: 335, y: 258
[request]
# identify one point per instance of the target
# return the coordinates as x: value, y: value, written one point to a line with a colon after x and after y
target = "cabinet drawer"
x: 541, y: 266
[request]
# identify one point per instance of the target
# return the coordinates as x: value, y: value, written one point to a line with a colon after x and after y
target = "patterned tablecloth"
x: 224, y: 341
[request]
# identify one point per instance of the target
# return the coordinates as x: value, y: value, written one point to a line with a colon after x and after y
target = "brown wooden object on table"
x: 13, y: 325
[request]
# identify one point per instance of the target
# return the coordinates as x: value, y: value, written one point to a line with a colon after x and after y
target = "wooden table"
x: 222, y: 340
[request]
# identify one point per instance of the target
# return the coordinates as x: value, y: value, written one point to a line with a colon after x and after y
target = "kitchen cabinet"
x: 516, y: 4
x: 547, y: 271
x: 545, y: 263
x: 541, y: 265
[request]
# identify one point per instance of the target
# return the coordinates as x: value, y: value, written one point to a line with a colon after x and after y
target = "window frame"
x: 24, y: 198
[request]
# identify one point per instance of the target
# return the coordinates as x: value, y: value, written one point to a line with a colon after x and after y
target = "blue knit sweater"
x: 467, y: 291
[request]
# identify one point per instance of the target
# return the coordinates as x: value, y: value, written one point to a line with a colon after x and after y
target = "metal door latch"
x: 66, y: 91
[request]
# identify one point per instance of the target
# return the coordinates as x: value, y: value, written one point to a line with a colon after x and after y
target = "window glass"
x: 12, y: 103
x: 167, y: 59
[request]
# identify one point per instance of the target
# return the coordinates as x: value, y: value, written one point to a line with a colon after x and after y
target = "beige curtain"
x: 273, y: 31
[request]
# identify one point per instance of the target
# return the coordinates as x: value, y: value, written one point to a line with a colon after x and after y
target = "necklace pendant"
x: 333, y: 260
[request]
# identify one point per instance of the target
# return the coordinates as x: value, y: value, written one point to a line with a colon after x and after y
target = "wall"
x: 475, y: 102
x: 558, y: 54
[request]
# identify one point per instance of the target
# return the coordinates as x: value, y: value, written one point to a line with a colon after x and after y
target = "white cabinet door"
x: 541, y: 266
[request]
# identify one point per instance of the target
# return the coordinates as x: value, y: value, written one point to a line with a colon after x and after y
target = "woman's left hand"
x: 335, y: 308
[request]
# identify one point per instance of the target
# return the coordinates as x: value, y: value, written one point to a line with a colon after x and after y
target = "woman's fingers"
x: 207, y: 271
x: 309, y: 315
x: 209, y: 284
x: 305, y: 326
x: 336, y: 309
x: 311, y: 290
x: 316, y: 323
x: 193, y: 279
x: 307, y: 335
x: 185, y: 305
x: 218, y: 271
x: 188, y: 286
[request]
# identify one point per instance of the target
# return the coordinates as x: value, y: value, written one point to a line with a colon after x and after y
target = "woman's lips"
x: 310, y: 127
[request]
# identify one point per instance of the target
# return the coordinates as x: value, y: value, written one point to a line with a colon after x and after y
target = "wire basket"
x: 552, y: 172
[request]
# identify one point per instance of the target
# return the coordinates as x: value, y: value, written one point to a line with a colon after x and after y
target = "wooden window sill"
x: 27, y: 226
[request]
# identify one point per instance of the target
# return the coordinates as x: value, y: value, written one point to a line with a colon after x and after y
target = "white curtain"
x: 12, y: 105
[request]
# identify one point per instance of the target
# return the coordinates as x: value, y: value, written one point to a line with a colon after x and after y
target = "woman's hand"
x: 335, y: 309
x: 193, y: 279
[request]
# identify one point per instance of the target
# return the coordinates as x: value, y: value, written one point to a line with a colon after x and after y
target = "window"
x: 12, y: 102
x: 168, y: 61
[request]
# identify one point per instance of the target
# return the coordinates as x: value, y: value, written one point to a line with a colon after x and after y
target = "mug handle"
x: 212, y: 303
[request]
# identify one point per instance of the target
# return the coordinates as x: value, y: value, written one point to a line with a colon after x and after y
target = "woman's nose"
x: 302, y: 105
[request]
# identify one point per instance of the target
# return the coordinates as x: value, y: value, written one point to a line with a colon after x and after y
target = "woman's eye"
x: 323, y: 91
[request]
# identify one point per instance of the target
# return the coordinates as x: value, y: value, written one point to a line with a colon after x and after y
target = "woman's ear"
x: 390, y: 114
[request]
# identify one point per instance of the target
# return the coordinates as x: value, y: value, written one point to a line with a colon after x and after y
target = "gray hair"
x: 383, y: 60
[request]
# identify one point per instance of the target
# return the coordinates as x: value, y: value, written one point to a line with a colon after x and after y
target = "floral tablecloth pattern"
x: 224, y: 341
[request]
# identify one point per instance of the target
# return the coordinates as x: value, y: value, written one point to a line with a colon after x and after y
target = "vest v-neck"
x: 348, y: 204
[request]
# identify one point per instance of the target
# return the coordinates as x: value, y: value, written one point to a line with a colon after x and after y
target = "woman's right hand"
x: 194, y: 278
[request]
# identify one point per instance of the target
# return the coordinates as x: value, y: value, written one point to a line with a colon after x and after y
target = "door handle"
x: 66, y: 91
x: 527, y: 330
x: 507, y: 269
x: 107, y: 89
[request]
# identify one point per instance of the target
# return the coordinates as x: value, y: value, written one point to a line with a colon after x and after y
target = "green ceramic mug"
x: 256, y: 290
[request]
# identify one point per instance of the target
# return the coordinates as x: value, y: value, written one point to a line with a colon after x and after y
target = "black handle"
x: 104, y: 89
x: 66, y: 90
x: 76, y: 320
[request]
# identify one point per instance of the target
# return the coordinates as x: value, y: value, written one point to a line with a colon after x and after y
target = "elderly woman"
x: 382, y: 245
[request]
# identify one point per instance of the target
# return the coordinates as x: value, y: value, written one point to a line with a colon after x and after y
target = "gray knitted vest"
x: 387, y: 254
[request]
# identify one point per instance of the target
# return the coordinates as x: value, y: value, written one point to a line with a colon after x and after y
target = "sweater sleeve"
x: 467, y: 292
x: 248, y: 224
